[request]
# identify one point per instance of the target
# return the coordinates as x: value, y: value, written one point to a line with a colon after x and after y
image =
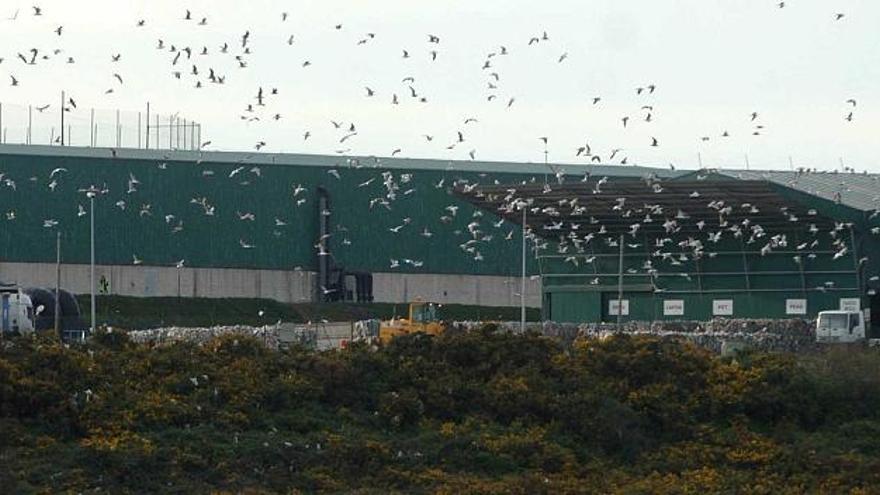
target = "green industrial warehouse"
x: 603, y: 242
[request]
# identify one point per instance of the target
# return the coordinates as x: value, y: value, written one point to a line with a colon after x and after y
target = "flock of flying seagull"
x: 678, y: 237
x: 190, y: 63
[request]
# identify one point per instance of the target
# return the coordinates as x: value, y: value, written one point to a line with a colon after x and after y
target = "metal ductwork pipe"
x: 324, y: 241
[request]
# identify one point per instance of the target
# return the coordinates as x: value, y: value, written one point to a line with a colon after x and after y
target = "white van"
x: 840, y: 327
x: 16, y: 311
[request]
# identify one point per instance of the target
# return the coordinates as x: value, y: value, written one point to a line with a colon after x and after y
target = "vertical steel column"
x: 58, y: 283
x: 742, y: 253
x: 856, y: 263
x: 620, y: 284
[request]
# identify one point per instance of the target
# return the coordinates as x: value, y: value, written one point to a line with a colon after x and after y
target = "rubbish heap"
x: 791, y: 335
x: 268, y: 335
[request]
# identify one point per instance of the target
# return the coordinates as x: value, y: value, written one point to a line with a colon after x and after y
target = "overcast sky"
x: 713, y: 62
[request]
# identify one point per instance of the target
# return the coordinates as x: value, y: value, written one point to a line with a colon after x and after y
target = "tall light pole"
x: 91, y: 195
x: 522, y: 288
x: 91, y: 192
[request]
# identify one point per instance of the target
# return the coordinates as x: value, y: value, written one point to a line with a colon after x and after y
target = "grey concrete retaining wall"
x: 285, y: 286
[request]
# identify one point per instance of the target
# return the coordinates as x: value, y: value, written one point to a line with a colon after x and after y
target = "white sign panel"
x: 722, y: 307
x: 673, y: 307
x: 795, y: 306
x: 853, y: 304
x: 613, y: 306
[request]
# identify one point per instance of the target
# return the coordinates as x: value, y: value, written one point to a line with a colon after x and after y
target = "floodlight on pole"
x: 522, y: 288
x: 91, y: 192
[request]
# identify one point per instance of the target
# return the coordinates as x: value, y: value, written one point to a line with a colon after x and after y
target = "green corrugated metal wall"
x: 213, y: 241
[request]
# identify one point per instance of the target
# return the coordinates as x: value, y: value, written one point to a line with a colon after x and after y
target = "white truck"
x: 842, y: 327
x: 16, y: 311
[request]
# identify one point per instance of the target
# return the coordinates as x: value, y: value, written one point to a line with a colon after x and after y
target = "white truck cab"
x: 16, y: 311
x: 840, y: 327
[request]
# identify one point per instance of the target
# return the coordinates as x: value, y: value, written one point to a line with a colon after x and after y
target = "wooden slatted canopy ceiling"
x: 619, y: 204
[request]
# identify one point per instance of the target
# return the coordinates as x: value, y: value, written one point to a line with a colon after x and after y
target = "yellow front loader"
x: 422, y: 318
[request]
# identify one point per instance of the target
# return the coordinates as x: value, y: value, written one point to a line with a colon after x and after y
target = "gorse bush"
x: 476, y: 412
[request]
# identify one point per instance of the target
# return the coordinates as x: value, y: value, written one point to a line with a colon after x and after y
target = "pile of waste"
x: 266, y: 334
x: 790, y: 335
